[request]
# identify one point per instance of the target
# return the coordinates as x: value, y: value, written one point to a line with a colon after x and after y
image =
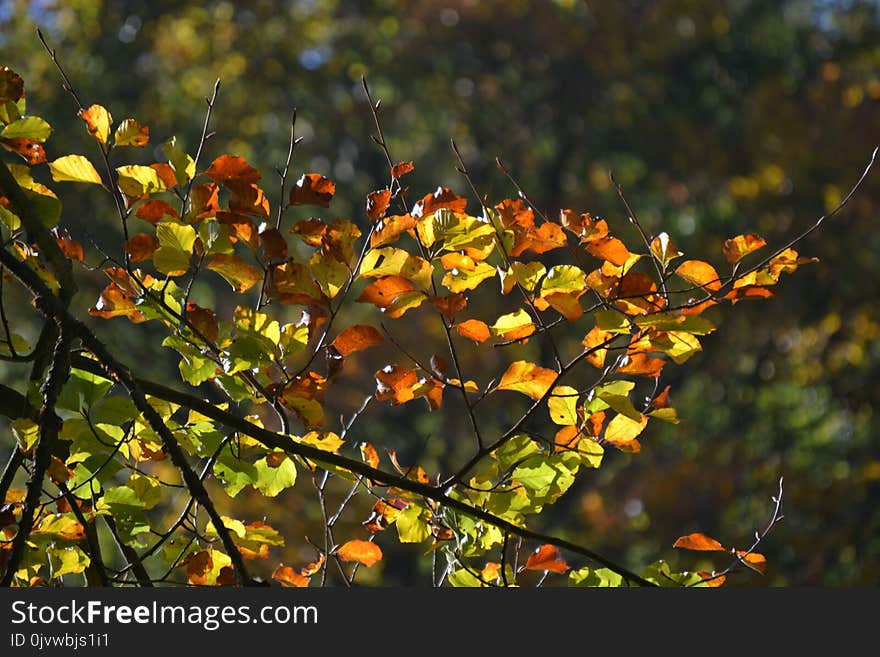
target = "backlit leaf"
x: 136, y: 181
x: 74, y: 168
x: 699, y: 273
x: 30, y: 128
x: 562, y: 405
x: 623, y: 429
x: 377, y: 203
x: 545, y: 558
x: 356, y: 338
x: 365, y: 553
x: 737, y: 248
x: 98, y: 121
x: 312, y: 189
x: 754, y: 560
x: 232, y: 167
x: 287, y: 576
x: 473, y: 329
x: 698, y: 541
x: 131, y: 133
x: 529, y: 379
x: 239, y: 274
x: 401, y: 169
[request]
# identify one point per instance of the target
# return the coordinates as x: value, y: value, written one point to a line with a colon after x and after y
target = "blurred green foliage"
x: 717, y: 117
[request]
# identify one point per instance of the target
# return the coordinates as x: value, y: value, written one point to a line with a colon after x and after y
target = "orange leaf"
x: 546, y: 557
x: 699, y: 273
x: 396, y: 384
x: 239, y: 274
x: 642, y: 365
x: 610, y: 249
x: 355, y: 338
x: 98, y: 121
x: 377, y: 203
x: 754, y: 560
x: 313, y: 189
x: 711, y: 579
x: 699, y: 541
x: 390, y: 229
x: 273, y: 243
x: 203, y: 319
x: 474, y: 329
x: 736, y: 248
x: 247, y: 198
x: 166, y: 173
x: 32, y: 151
x: 155, y: 211
x: 443, y: 197
x: 114, y: 302
x: 527, y: 378
x: 363, y: 552
x: 141, y: 247
x: 204, y: 200
x: 449, y: 305
x: 69, y: 246
x: 289, y: 577
x: 401, y: 169
x: 369, y: 454
x: 232, y: 167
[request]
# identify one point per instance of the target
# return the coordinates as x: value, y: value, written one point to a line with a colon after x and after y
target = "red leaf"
x: 443, y: 197
x: 141, y: 247
x: 32, y: 151
x: 69, y: 246
x: 203, y: 319
x: 273, y: 243
x: 699, y: 541
x: 313, y: 189
x: 155, y: 211
x: 546, y: 557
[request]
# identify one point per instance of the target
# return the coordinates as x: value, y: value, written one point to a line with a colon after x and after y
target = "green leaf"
x: 669, y: 322
x: 412, y: 524
x: 26, y: 433
x: 459, y: 280
x: 464, y: 578
x: 621, y: 404
x: 183, y: 165
x: 115, y: 410
x: 565, y: 279
x: 137, y: 180
x: 29, y: 127
x: 661, y: 574
x: 515, y: 450
x: 526, y: 274
x: 82, y: 390
x: 271, y: 481
x: 68, y: 560
x: 234, y: 473
x: 612, y: 321
x: 589, y: 577
x: 74, y: 168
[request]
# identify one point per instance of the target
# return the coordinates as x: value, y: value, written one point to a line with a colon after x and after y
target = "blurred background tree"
x: 717, y: 118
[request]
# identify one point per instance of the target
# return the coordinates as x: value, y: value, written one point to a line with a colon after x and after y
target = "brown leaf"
x: 204, y: 200
x: 273, y: 243
x: 473, y: 329
x: 69, y: 246
x: 377, y: 203
x: 356, y: 338
x: 11, y: 85
x: 547, y: 557
x: 198, y: 567
x: 365, y: 553
x: 737, y: 248
x: 711, y: 579
x: 443, y: 197
x: 313, y: 189
x: 141, y: 247
x: 275, y: 459
x: 449, y: 305
x: 243, y: 228
x: 401, y: 169
x: 396, y: 384
x: 699, y: 273
x: 165, y: 173
x: 32, y: 151
x: 232, y: 167
x: 698, y: 541
x: 154, y: 211
x: 369, y: 454
x: 203, y: 319
x: 58, y: 472
x: 247, y: 198
x: 288, y: 577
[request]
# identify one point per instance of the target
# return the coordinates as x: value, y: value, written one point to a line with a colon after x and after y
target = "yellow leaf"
x: 527, y: 378
x: 74, y: 168
x: 98, y: 122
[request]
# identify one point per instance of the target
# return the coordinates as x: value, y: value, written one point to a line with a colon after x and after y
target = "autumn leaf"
x: 32, y: 151
x: 131, y: 133
x: 529, y: 379
x: 401, y: 169
x: 711, y: 580
x: 141, y: 247
x: 754, y: 560
x: 737, y: 248
x: 698, y: 541
x: 239, y: 274
x: 232, y: 167
x: 473, y: 329
x: 394, y: 295
x: 377, y: 203
x: 442, y: 198
x: 699, y: 273
x: 289, y: 577
x: 449, y: 305
x: 365, y: 553
x: 356, y: 338
x: 390, y: 229
x: 313, y: 189
x: 114, y: 302
x: 74, y: 168
x: 622, y: 429
x: 546, y: 558
x: 69, y: 246
x: 155, y: 211
x: 98, y: 121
